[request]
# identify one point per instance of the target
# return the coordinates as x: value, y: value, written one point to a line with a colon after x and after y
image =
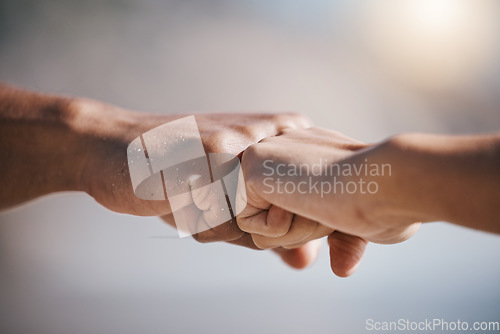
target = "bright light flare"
x: 436, y: 15
x: 436, y: 44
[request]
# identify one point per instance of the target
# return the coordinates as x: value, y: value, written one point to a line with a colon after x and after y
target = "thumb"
x: 346, y: 252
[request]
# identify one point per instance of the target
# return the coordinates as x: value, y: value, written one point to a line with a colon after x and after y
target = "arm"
x: 426, y: 178
x: 50, y: 144
x: 53, y: 144
x: 445, y: 178
x: 38, y: 148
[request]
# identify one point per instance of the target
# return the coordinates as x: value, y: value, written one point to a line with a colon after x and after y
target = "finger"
x: 169, y: 219
x: 302, y: 257
x: 274, y: 222
x: 301, y: 229
x: 228, y: 231
x: 346, y: 252
x: 200, y: 193
x: 320, y: 232
x: 212, y: 200
x: 191, y: 220
x: 246, y: 241
x: 185, y: 219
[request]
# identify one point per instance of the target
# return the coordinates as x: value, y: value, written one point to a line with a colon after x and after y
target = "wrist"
x: 101, y: 135
x: 447, y: 178
x: 413, y: 192
x: 399, y: 199
x: 58, y: 146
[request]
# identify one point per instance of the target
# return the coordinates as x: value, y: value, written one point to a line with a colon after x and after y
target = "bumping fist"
x: 282, y: 211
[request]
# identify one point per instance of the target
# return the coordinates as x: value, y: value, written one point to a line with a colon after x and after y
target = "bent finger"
x: 274, y: 222
x: 301, y: 257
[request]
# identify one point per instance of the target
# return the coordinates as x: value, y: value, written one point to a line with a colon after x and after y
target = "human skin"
x: 52, y: 144
x: 432, y: 178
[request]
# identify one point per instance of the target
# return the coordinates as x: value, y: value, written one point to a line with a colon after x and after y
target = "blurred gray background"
x: 367, y: 68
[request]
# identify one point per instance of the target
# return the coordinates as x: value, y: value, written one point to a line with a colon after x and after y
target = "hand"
x: 279, y: 172
x: 74, y: 144
x: 108, y: 130
x: 107, y: 172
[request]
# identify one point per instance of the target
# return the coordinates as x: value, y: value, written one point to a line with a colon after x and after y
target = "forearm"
x: 37, y: 146
x: 50, y: 144
x: 446, y: 178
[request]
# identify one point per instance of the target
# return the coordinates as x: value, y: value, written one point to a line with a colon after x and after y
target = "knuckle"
x: 267, y: 140
x: 288, y: 131
x: 293, y: 120
x: 282, y: 118
x: 250, y: 130
x: 219, y: 140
